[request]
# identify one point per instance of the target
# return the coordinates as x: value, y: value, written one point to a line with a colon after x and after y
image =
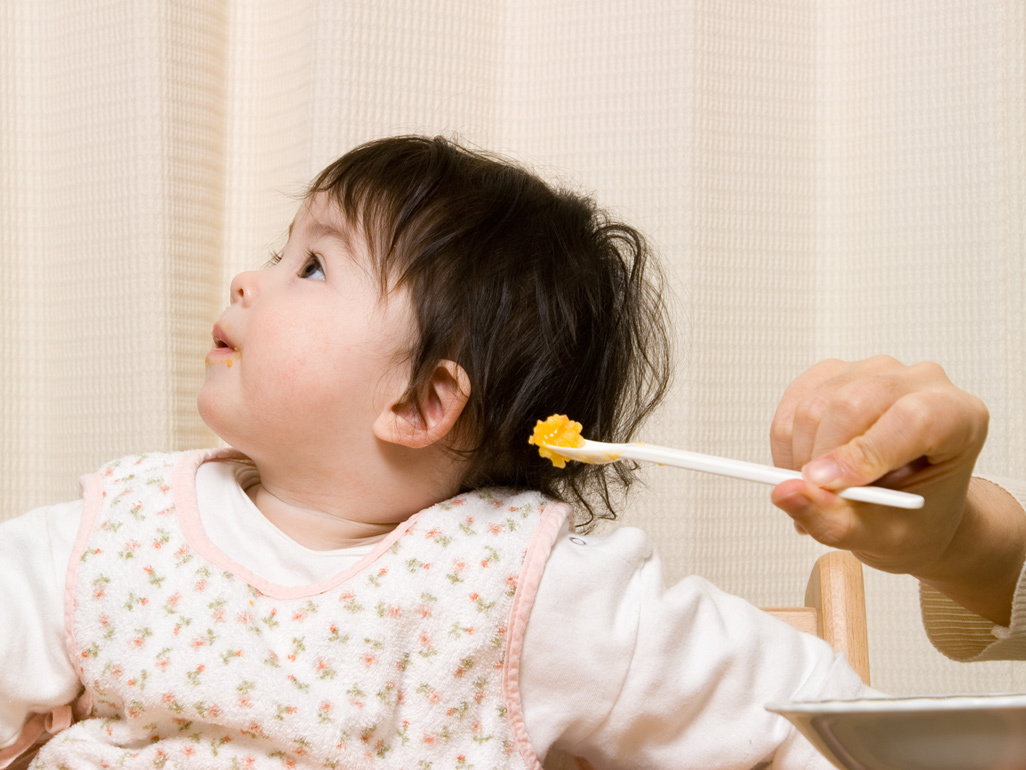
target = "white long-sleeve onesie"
x: 616, y: 668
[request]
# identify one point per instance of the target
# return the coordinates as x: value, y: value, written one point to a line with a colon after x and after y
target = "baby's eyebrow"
x: 340, y: 236
x: 318, y: 229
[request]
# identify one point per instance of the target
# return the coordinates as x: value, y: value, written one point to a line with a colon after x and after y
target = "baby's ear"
x: 430, y: 414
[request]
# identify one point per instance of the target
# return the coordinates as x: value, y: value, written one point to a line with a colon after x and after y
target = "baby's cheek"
x: 274, y: 387
x: 294, y: 384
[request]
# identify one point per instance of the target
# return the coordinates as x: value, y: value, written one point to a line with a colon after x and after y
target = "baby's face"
x: 309, y: 352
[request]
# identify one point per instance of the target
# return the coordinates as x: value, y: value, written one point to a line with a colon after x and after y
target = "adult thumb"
x: 856, y: 463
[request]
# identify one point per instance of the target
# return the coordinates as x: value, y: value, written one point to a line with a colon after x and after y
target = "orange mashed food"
x: 557, y: 430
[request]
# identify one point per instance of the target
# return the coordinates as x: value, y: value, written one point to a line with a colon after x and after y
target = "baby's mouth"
x: 224, y: 351
x: 221, y: 340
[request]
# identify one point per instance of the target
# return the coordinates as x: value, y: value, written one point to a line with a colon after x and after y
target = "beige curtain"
x: 821, y: 178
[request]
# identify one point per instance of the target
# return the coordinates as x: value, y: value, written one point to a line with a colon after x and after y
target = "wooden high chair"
x: 835, y: 608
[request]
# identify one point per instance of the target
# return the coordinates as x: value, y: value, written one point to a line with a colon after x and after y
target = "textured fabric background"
x: 821, y: 178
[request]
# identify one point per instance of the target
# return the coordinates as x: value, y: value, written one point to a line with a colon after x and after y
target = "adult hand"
x: 908, y: 427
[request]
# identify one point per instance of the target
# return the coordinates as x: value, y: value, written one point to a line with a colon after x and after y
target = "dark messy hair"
x: 547, y: 304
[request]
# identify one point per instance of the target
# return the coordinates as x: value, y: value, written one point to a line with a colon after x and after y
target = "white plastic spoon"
x: 604, y: 452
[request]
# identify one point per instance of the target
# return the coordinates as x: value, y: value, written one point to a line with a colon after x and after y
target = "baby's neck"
x: 314, y: 528
x: 305, y: 496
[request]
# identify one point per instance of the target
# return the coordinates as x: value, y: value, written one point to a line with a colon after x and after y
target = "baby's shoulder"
x: 491, y: 515
x: 502, y: 503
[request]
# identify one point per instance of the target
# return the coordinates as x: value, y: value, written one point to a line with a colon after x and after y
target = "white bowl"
x: 962, y: 732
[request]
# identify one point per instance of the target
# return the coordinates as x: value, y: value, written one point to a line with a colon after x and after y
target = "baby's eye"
x: 273, y: 260
x: 312, y: 268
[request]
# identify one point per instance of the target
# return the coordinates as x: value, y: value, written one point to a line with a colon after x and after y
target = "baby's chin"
x: 207, y: 405
x: 236, y: 430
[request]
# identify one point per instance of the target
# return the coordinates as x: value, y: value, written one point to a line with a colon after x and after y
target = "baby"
x: 381, y: 571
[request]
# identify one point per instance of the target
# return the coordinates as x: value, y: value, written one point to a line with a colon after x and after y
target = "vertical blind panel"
x: 115, y: 154
x: 753, y: 246
x: 918, y: 146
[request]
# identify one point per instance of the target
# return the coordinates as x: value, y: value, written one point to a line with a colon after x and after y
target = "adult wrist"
x: 981, y: 566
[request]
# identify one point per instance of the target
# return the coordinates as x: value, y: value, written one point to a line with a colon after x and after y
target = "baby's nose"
x: 243, y: 287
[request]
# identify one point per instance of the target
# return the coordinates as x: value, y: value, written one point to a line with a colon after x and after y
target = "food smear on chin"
x: 211, y: 360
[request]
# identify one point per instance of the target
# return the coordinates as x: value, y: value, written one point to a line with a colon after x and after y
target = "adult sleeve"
x: 965, y: 636
x: 626, y: 673
x: 35, y: 674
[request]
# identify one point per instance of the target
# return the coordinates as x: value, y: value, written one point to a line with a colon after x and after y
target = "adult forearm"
x: 981, y: 566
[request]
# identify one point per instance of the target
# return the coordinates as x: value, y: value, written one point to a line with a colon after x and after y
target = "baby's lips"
x: 221, y: 338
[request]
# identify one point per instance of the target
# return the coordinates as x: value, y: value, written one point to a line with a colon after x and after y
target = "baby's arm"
x: 628, y: 674
x: 35, y: 674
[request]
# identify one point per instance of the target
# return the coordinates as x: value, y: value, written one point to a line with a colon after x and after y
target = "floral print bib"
x: 407, y: 660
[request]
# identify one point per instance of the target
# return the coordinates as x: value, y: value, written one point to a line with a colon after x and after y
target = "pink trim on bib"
x: 92, y: 499
x: 537, y: 556
x: 37, y: 730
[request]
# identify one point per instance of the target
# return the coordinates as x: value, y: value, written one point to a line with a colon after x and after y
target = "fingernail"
x: 821, y: 472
